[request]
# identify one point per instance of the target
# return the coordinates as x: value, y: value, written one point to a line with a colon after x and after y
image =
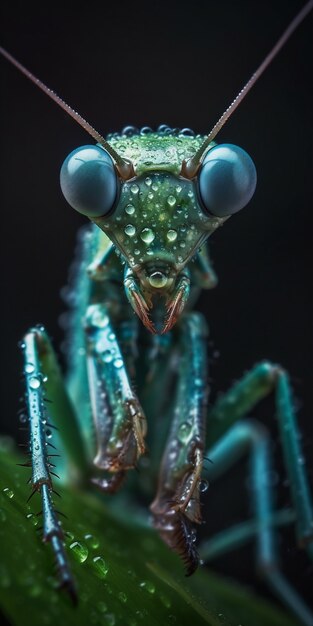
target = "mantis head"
x: 158, y: 217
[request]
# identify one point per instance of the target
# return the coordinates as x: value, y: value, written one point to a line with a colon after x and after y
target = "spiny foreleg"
x: 176, y: 507
x: 36, y: 347
x: 119, y: 420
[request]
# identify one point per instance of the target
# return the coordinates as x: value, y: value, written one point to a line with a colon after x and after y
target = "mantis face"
x: 158, y: 218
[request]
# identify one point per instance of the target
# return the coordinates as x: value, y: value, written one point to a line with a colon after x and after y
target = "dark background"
x: 179, y: 63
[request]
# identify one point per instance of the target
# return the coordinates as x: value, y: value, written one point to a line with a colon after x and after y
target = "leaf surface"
x: 125, y: 575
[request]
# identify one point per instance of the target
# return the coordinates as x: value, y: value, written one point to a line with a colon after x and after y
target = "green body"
x: 136, y: 389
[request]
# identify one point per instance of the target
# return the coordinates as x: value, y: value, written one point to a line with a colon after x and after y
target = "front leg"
x: 177, y: 504
x: 40, y: 362
x: 119, y: 420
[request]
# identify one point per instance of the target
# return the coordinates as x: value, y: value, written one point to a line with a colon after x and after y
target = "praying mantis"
x: 223, y: 234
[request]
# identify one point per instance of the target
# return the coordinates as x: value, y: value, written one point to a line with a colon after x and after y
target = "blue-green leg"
x: 101, y: 352
x: 247, y: 435
x: 94, y: 262
x: 250, y: 437
x: 238, y: 402
x: 42, y: 377
x: 77, y: 297
x: 156, y: 371
x: 119, y: 421
x: 177, y: 503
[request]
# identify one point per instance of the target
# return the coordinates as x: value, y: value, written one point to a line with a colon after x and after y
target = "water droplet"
x: 184, y: 432
x: 100, y: 566
x: 147, y: 235
x: 130, y: 209
x: 136, y: 251
x: 130, y: 230
x: 99, y: 319
x: 165, y: 600
x: 29, y: 368
x: 204, y: 485
x: 34, y: 382
x: 80, y: 551
x: 101, y: 345
x: 107, y: 356
x: 148, y: 181
x: 102, y: 607
x: 92, y: 541
x: 178, y: 188
x: 148, y: 586
x: 134, y: 189
x: 122, y: 597
x: 146, y: 130
x: 171, y: 235
x: 171, y: 200
x: 8, y: 492
x: 33, y: 519
x: 118, y: 363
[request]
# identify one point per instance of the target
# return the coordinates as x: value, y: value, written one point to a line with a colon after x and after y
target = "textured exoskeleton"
x: 137, y: 349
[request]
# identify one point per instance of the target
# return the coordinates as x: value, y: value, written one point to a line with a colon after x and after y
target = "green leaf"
x: 124, y: 573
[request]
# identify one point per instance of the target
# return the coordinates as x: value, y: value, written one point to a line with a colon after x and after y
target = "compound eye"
x: 88, y: 181
x: 227, y: 180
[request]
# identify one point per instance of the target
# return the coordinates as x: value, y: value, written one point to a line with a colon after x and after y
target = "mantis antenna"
x: 124, y: 167
x: 191, y: 166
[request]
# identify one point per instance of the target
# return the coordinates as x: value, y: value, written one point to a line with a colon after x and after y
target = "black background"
x: 179, y: 63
